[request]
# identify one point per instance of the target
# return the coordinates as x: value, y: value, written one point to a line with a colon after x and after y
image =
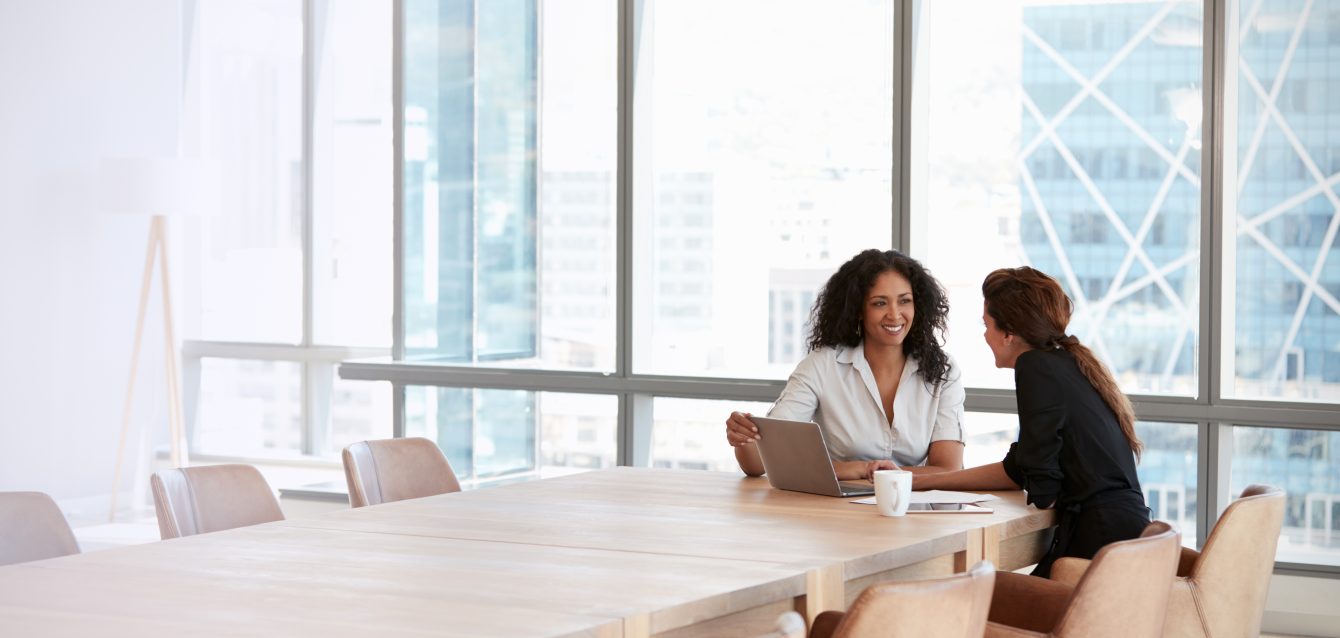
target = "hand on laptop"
x: 740, y: 430
x: 857, y: 470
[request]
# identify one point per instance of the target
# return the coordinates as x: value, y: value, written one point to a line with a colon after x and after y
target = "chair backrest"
x: 1124, y: 593
x: 396, y: 469
x: 1232, y: 574
x: 32, y: 528
x: 198, y: 500
x: 954, y: 607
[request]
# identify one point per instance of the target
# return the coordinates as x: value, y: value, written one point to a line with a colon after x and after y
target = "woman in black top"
x: 1077, y: 447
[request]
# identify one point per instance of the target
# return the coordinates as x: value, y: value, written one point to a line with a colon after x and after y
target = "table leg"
x: 825, y: 590
x: 637, y: 626
x: 983, y: 544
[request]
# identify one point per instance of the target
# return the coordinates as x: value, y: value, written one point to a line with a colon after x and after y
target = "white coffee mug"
x: 893, y: 491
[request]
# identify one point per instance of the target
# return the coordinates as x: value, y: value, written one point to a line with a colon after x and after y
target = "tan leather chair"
x: 953, y: 607
x: 33, y: 528
x: 1220, y: 591
x: 199, y: 500
x: 396, y: 469
x: 1124, y: 594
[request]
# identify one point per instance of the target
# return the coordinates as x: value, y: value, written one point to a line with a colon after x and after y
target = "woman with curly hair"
x: 1077, y: 447
x: 876, y: 380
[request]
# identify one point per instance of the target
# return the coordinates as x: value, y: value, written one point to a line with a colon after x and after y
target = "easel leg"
x: 176, y: 424
x: 145, y: 281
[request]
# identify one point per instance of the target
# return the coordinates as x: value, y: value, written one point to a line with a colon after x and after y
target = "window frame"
x: 310, y: 355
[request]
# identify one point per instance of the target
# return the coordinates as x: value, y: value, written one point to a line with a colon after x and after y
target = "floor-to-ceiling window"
x: 291, y: 99
x: 614, y: 216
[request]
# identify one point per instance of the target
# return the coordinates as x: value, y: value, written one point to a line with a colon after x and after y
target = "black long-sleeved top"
x: 1070, y: 446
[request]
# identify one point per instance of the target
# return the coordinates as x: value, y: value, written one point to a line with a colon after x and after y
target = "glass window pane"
x: 495, y: 435
x: 248, y: 408
x: 1283, y: 311
x: 1065, y: 136
x: 760, y: 166
x: 1304, y: 464
x: 690, y: 434
x: 359, y: 411
x: 1168, y: 474
x: 510, y: 122
x: 1167, y: 469
x: 351, y: 162
x: 243, y: 109
x: 988, y: 436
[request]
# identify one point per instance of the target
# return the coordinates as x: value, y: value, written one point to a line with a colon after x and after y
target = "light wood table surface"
x: 621, y: 552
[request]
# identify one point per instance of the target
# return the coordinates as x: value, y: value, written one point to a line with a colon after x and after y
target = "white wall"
x: 1302, y: 606
x: 79, y: 81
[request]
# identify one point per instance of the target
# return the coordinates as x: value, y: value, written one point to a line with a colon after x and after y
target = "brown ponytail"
x: 1028, y: 303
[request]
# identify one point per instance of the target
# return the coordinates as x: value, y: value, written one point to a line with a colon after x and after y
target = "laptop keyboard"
x: 850, y: 488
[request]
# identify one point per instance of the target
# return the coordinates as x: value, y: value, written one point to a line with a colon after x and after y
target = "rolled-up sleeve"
x: 1033, y: 462
x: 949, y: 411
x: 799, y: 400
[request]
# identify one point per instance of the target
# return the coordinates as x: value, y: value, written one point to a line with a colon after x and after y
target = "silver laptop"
x: 795, y: 458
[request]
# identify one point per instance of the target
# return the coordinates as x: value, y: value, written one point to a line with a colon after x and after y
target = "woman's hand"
x: 857, y: 470
x: 740, y: 429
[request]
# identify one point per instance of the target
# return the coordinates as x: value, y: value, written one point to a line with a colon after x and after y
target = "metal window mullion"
x: 1218, y: 484
x: 627, y: 417
x: 398, y: 178
x: 474, y: 184
x: 1206, y: 448
x: 904, y: 12
x: 397, y: 209
x: 309, y: 35
x: 276, y: 351
x: 1211, y: 204
x: 635, y: 429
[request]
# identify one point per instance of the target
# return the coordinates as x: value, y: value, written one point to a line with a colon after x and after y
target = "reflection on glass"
x: 1305, y: 464
x: 509, y: 182
x: 1167, y: 472
x: 496, y: 435
x: 760, y: 166
x: 359, y: 411
x: 1285, y: 313
x: 351, y: 163
x: 243, y: 107
x: 248, y: 408
x: 690, y: 434
x: 1066, y: 136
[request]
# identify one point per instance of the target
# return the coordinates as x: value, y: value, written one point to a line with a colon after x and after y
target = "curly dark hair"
x: 839, y: 309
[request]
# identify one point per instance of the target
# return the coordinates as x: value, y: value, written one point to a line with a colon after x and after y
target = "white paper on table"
x: 940, y: 496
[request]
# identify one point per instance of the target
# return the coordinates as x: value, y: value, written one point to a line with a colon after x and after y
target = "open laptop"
x: 795, y: 458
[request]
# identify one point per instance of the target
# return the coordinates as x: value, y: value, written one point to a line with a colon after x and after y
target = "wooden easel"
x: 176, y: 424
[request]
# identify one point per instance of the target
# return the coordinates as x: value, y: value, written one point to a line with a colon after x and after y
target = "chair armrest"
x: 1069, y: 570
x: 997, y: 630
x: 1186, y: 561
x: 1028, y: 602
x: 825, y: 623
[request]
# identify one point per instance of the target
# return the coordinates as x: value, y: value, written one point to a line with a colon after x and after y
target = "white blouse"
x: 835, y: 388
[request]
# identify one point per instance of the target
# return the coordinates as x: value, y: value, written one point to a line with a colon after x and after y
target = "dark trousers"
x: 1084, y: 528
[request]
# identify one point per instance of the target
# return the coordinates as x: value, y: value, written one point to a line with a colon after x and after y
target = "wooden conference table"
x: 620, y: 552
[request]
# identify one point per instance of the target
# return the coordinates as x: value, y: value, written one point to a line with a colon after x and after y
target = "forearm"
x: 750, y: 461
x: 927, y: 469
x: 983, y: 477
x: 852, y: 470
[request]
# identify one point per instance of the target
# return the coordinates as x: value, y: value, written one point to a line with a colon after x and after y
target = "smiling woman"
x: 877, y: 380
